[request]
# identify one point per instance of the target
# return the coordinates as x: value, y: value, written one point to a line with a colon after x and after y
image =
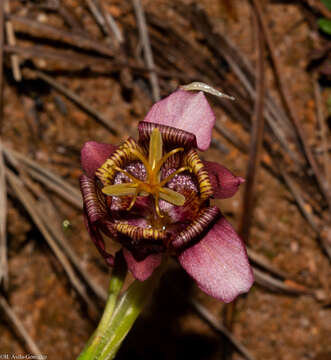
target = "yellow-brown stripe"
x: 139, y: 233
x: 197, y: 167
x: 119, y: 158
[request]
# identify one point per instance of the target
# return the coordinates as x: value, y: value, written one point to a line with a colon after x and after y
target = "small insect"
x: 200, y: 86
x: 66, y: 224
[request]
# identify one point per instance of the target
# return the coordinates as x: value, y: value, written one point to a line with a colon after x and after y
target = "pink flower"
x: 153, y: 196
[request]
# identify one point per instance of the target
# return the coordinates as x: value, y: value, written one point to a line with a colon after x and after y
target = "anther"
x: 152, y: 185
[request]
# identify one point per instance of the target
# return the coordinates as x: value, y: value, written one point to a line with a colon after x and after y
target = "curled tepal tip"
x: 200, y: 86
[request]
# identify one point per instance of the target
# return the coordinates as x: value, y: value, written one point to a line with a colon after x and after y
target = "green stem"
x: 97, y: 341
x: 129, y: 307
x: 119, y: 315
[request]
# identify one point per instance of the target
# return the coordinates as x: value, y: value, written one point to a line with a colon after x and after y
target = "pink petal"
x: 224, y: 183
x: 187, y: 111
x: 93, y: 155
x: 219, y: 263
x: 142, y: 270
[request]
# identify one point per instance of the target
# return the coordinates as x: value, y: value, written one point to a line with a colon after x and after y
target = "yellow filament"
x: 171, y: 176
x: 165, y: 157
x: 142, y: 158
x: 133, y: 200
x: 157, y: 208
x: 133, y: 178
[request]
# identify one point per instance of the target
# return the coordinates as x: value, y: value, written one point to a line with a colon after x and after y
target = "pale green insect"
x: 200, y: 86
x: 66, y: 225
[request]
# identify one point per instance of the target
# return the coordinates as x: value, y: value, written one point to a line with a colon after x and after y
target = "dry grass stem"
x: 144, y: 37
x: 40, y: 219
x: 215, y: 324
x: 83, y: 104
x: 47, y: 178
x: 323, y: 129
x: 3, y: 221
x: 18, y: 327
x: 11, y: 40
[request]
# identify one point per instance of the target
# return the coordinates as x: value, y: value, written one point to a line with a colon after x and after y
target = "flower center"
x: 152, y: 185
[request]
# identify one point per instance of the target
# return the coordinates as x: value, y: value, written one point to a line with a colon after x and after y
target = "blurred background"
x: 73, y: 71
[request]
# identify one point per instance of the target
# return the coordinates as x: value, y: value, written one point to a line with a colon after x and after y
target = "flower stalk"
x: 128, y: 309
x: 95, y: 344
x: 119, y: 314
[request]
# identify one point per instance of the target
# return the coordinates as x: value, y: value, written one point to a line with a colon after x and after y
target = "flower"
x: 153, y: 197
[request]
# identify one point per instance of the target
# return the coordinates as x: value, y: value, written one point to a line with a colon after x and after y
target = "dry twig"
x: 256, y: 141
x: 114, y: 28
x: 323, y: 130
x: 11, y: 40
x: 320, y: 7
x: 40, y: 219
x: 80, y: 60
x: 69, y: 18
x: 110, y: 24
x: 98, y: 16
x: 288, y: 103
x: 83, y: 104
x: 55, y: 228
x: 73, y: 39
x: 286, y: 287
x: 19, y: 328
x: 46, y: 177
x: 255, y: 149
x: 292, y: 187
x: 215, y: 324
x: 3, y: 193
x: 50, y: 215
x: 3, y: 221
x: 141, y: 22
x: 221, y: 45
x: 264, y: 263
x: 306, y: 214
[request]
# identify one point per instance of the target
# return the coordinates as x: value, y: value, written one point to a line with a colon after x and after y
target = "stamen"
x: 133, y: 178
x: 172, y: 196
x: 120, y: 189
x: 171, y: 176
x: 155, y: 148
x: 142, y: 158
x: 157, y: 208
x: 152, y: 184
x: 133, y: 200
x: 165, y: 157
